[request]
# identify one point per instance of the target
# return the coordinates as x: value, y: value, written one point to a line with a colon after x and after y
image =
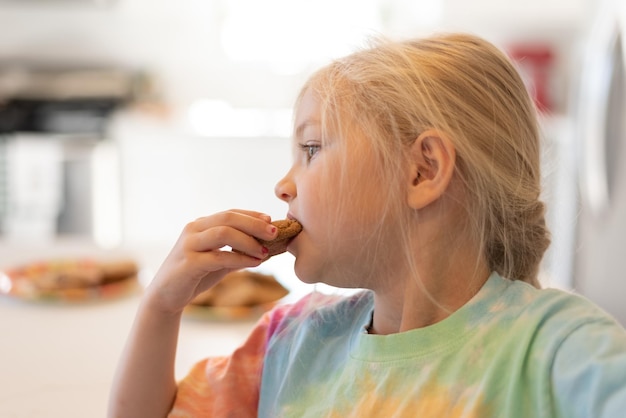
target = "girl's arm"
x: 145, y: 385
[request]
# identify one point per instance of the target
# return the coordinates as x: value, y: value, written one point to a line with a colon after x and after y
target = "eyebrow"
x: 307, y: 123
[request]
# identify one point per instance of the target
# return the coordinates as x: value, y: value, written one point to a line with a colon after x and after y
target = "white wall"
x: 179, y: 41
x: 171, y: 178
x: 176, y: 42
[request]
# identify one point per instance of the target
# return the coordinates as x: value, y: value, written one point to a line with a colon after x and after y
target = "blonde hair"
x: 467, y: 88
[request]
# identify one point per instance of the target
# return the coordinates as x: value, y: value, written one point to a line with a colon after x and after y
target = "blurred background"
x: 122, y: 120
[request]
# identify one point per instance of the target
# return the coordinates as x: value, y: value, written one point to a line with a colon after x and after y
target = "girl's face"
x: 334, y: 191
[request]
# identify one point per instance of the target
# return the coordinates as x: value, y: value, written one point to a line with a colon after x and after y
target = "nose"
x: 285, y: 189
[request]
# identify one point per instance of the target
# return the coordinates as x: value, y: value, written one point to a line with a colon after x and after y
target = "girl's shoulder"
x: 558, y: 304
x: 556, y: 318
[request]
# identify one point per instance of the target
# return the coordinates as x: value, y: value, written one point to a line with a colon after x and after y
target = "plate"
x: 240, y: 295
x: 224, y: 313
x: 30, y: 282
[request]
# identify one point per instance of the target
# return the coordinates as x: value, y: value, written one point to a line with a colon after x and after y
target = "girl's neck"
x: 446, y: 268
x: 437, y: 292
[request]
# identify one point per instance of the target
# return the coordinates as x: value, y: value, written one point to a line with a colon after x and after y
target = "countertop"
x: 58, y: 359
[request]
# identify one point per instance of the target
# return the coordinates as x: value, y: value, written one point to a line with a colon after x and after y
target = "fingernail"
x: 271, y: 228
x: 264, y: 251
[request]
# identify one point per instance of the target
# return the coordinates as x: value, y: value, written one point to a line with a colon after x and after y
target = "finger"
x: 216, y: 238
x: 227, y: 262
x: 256, y: 225
x: 231, y: 217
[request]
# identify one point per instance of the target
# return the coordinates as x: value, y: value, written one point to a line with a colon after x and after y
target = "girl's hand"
x: 199, y: 260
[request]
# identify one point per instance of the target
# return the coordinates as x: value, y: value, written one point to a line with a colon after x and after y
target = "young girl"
x: 416, y: 178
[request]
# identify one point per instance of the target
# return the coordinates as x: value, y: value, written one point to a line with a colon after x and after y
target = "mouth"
x: 293, y: 218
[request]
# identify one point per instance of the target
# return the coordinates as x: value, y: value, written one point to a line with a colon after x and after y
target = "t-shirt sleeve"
x: 229, y: 386
x: 589, y: 371
x: 225, y: 386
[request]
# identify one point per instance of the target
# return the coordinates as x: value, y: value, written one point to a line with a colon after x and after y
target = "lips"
x: 290, y: 240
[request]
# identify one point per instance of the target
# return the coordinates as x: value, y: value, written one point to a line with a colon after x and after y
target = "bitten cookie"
x: 287, y: 229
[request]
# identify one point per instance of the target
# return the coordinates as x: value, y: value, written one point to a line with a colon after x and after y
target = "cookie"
x: 242, y: 289
x: 287, y: 229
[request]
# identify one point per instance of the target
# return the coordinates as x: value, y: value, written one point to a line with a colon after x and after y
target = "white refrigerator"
x: 598, y: 253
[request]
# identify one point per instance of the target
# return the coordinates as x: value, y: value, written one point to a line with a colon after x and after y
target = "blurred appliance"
x: 32, y: 186
x: 600, y: 132
x: 54, y: 151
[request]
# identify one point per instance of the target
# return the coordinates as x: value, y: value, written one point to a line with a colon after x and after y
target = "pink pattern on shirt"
x: 229, y: 386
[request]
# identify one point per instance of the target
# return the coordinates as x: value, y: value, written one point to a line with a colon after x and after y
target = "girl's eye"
x: 310, y: 150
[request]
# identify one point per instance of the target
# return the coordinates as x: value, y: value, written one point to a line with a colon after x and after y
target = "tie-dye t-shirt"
x: 512, y: 351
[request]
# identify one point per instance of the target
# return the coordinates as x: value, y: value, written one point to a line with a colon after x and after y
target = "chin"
x: 305, y: 275
x: 310, y: 270
x: 309, y: 275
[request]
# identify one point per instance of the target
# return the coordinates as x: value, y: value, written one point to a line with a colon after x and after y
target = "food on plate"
x: 70, y: 279
x: 114, y: 271
x: 69, y: 274
x: 287, y: 229
x: 242, y: 289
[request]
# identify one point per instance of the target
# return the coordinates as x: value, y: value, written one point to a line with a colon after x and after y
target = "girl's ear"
x: 431, y: 168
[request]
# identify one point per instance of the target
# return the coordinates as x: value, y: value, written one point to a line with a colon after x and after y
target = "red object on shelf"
x: 535, y: 62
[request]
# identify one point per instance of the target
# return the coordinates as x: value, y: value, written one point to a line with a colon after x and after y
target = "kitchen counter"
x: 58, y: 359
